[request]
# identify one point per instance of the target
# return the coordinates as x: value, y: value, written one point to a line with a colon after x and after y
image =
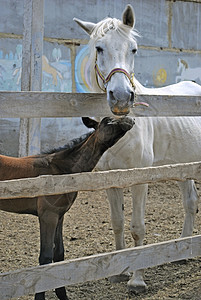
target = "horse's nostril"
x: 132, y: 96
x: 111, y: 94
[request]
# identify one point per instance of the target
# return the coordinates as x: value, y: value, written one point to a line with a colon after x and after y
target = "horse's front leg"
x: 116, y: 200
x: 48, y: 222
x: 59, y: 255
x: 190, y: 203
x: 139, y: 194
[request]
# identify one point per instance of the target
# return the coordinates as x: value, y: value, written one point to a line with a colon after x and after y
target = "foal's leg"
x: 48, y: 223
x: 190, y: 202
x: 59, y: 255
x: 116, y: 200
x: 58, y: 242
x: 139, y: 194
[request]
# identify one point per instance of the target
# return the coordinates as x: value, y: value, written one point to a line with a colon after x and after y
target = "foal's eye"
x: 99, y: 49
x: 134, y: 51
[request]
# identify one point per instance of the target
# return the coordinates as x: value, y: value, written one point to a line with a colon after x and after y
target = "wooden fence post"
x: 29, y: 140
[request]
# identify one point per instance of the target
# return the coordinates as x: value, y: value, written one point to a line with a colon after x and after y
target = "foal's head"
x: 109, y: 130
x: 112, y: 49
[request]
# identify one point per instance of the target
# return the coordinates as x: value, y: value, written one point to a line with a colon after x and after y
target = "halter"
x: 107, y: 79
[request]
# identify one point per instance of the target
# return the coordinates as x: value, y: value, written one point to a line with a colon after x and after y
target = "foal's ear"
x: 87, y: 26
x: 128, y: 16
x: 90, y: 123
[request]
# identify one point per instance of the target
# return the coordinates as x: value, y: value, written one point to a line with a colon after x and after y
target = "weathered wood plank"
x: 29, y: 140
x: 26, y: 74
x: 95, y: 267
x: 59, y: 184
x: 46, y: 104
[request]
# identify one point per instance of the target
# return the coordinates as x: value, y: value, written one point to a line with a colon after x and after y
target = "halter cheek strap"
x: 107, y: 79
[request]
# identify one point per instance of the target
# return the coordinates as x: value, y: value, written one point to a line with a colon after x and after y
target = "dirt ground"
x: 87, y: 230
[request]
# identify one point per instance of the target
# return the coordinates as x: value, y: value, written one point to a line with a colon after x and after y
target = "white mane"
x: 108, y: 24
x: 99, y: 31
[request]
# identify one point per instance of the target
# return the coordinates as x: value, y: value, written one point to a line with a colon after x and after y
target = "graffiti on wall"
x: 186, y: 73
x: 10, y: 69
x: 82, y: 68
x: 56, y: 73
x: 160, y: 77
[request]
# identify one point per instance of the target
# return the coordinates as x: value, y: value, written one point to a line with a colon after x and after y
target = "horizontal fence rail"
x: 59, y: 184
x: 43, y: 104
x: 48, y: 104
x: 40, y: 278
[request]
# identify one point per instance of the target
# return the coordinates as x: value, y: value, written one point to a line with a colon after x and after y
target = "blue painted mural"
x: 56, y: 71
x: 82, y: 77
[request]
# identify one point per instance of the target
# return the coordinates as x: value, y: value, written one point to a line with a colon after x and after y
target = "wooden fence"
x: 30, y: 106
x: 41, y: 104
x: 46, y: 277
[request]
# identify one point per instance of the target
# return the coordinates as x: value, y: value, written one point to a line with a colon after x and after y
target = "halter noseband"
x: 107, y: 79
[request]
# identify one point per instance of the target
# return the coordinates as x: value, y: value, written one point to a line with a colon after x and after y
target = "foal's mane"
x: 99, y: 31
x: 71, y: 145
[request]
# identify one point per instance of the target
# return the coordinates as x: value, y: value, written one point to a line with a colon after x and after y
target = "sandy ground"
x: 87, y: 230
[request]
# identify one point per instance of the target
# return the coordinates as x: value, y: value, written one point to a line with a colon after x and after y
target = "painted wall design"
x: 82, y: 78
x: 160, y: 77
x: 57, y: 75
x: 10, y: 69
x: 56, y: 72
x: 187, y: 73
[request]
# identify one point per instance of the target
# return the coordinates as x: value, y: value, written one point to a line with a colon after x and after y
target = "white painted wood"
x: 46, y: 104
x: 59, y: 184
x: 29, y: 140
x: 41, y: 278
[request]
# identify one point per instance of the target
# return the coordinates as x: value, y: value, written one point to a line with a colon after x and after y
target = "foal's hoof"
x: 61, y: 293
x: 119, y: 278
x: 180, y: 262
x: 137, y: 288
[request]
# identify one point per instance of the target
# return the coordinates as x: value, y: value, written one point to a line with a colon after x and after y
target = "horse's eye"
x: 99, y: 49
x: 134, y: 51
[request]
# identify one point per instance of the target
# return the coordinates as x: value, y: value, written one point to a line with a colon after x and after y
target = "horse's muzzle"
x: 120, y: 104
x: 120, y: 112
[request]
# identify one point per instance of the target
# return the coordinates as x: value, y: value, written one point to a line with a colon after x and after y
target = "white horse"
x: 152, y: 141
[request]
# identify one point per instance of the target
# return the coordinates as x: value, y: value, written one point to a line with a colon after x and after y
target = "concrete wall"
x: 169, y: 51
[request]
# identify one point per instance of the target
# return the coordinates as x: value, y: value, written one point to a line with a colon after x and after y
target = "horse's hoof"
x: 137, y: 288
x: 119, y: 278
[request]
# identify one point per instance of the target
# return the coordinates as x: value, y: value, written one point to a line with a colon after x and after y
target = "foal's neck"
x: 88, y: 155
x: 82, y: 158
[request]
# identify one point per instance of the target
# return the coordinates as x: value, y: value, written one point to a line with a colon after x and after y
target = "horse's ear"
x: 90, y: 123
x: 128, y: 16
x: 87, y: 26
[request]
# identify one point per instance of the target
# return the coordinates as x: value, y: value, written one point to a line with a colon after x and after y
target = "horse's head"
x: 113, y: 46
x: 109, y: 130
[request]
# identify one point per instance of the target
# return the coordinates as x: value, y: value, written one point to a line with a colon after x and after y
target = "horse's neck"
x: 187, y: 88
x: 140, y: 89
